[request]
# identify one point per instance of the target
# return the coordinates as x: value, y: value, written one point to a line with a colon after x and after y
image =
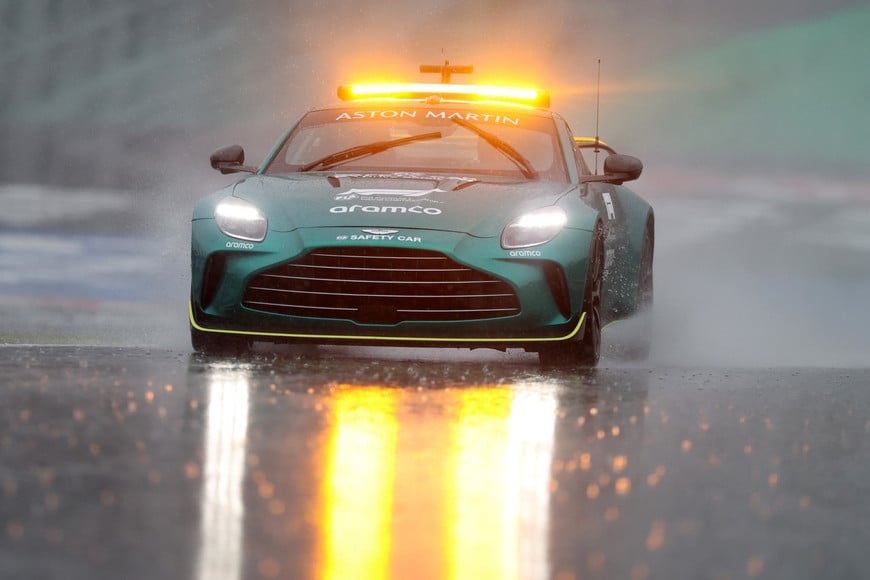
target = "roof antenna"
x: 597, y: 116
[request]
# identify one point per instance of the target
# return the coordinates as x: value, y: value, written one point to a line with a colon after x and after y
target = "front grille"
x: 380, y: 286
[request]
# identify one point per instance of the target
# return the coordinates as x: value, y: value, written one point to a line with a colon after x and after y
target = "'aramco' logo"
x: 396, y: 209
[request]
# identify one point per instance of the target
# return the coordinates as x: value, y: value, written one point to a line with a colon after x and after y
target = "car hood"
x: 460, y: 204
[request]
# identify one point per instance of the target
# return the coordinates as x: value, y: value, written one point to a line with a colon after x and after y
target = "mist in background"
x: 746, y: 114
x: 100, y: 93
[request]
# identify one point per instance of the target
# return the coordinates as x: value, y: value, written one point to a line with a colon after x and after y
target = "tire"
x: 585, y: 352
x: 210, y: 343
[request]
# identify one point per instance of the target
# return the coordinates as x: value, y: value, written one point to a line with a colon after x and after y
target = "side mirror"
x: 230, y: 159
x: 620, y: 168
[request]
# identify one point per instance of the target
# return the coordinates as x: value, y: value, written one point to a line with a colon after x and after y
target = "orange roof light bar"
x: 517, y: 95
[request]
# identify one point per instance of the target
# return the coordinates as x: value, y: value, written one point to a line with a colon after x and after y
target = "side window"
x: 581, y: 162
x: 578, y: 167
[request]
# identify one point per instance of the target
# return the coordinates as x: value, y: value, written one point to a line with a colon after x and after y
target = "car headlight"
x: 239, y: 219
x: 534, y: 228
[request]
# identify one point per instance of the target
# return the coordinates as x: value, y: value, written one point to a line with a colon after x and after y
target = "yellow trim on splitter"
x: 569, y: 336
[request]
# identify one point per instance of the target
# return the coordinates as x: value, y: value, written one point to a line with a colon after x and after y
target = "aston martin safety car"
x: 424, y: 214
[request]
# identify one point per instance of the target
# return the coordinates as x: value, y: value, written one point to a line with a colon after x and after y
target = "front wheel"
x: 587, y: 351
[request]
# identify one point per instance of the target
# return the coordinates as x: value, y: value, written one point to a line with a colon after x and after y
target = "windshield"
x: 432, y: 140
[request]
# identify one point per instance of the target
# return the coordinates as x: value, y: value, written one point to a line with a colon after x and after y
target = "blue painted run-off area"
x: 75, y: 266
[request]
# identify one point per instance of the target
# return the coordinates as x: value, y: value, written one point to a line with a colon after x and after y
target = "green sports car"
x: 431, y: 214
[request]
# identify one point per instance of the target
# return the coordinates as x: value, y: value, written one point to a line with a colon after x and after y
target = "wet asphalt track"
x: 735, y: 451
x: 129, y: 463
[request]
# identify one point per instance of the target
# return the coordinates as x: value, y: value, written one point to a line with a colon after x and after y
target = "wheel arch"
x: 623, y: 274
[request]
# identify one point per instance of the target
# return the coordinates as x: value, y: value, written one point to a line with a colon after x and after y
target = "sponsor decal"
x: 525, y: 253
x: 608, y: 204
x: 417, y: 209
x: 415, y: 114
x: 406, y: 175
x: 379, y: 238
x: 240, y: 245
x: 392, y: 194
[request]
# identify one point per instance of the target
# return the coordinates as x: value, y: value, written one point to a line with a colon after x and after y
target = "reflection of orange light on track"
x: 455, y: 488
x: 483, y: 536
x: 359, y: 484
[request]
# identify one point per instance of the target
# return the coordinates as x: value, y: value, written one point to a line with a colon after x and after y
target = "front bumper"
x: 216, y: 301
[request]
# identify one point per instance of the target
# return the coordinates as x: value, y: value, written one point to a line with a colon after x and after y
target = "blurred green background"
x: 130, y: 95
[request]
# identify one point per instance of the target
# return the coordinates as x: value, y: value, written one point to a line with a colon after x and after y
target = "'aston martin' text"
x: 462, y: 115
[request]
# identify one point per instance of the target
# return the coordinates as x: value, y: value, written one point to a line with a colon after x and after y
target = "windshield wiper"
x: 503, y: 147
x: 364, y: 151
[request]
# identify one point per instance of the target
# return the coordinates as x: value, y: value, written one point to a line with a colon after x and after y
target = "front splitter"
x: 387, y: 340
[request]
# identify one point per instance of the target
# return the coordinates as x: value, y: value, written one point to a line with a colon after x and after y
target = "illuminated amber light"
x: 517, y: 95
